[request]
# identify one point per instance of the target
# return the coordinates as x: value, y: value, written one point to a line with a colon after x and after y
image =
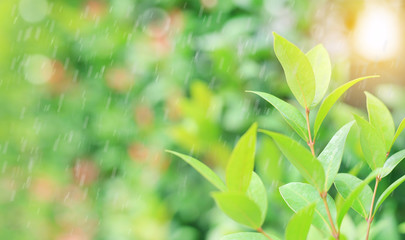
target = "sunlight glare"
x: 376, y: 35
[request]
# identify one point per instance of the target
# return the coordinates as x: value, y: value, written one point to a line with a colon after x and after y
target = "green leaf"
x: 331, y: 156
x: 202, y: 169
x: 399, y: 131
x: 291, y: 114
x: 241, y: 163
x: 387, y: 192
x: 320, y: 62
x: 331, y: 99
x: 257, y: 193
x: 299, y: 195
x: 240, y: 208
x: 380, y: 117
x: 345, y: 184
x: 309, y: 167
x: 371, y: 143
x: 248, y: 236
x: 391, y: 163
x: 353, y: 196
x: 269, y: 160
x: 298, y: 70
x: 298, y: 226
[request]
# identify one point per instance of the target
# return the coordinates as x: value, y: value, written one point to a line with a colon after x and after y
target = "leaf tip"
x: 264, y: 131
x: 254, y: 125
x: 251, y: 91
x: 170, y: 151
x: 356, y: 116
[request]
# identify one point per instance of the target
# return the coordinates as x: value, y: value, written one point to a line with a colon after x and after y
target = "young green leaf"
x: 387, y: 192
x: 320, y: 62
x: 399, y: 131
x: 297, y: 68
x: 372, y: 143
x: 202, y: 169
x: 380, y: 117
x: 331, y: 99
x: 345, y: 184
x: 241, y: 163
x: 240, y: 208
x: 331, y: 156
x: 392, y: 162
x: 248, y: 236
x: 270, y: 164
x: 257, y: 193
x: 298, y: 226
x: 309, y: 167
x: 299, y: 195
x: 291, y: 115
x: 353, y: 196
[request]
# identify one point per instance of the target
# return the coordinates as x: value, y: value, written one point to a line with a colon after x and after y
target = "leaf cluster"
x: 244, y: 198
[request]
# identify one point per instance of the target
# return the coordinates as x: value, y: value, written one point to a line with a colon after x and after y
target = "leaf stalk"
x: 311, y: 143
x: 371, y: 218
x: 260, y: 230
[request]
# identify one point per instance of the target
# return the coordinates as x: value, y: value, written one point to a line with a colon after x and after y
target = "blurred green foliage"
x: 93, y: 91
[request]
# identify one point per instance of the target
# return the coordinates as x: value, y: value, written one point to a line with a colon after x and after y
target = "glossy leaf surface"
x: 309, y: 167
x: 372, y: 144
x: 298, y: 70
x: 300, y: 195
x: 346, y: 183
x: 298, y: 226
x: 291, y: 114
x: 257, y: 193
x: 331, y: 99
x: 241, y: 163
x: 331, y: 156
x: 380, y: 117
x: 352, y: 197
x: 387, y: 192
x: 320, y: 62
x: 392, y: 162
x: 399, y: 131
x: 240, y: 208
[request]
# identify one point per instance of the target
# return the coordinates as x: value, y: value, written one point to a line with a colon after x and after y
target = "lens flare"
x: 377, y: 33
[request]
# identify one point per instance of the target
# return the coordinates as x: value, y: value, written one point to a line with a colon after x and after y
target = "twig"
x: 310, y: 142
x: 335, y: 233
x: 370, y: 218
x: 323, y: 195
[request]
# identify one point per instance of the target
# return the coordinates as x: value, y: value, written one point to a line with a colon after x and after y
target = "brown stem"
x: 310, y: 142
x: 260, y: 230
x: 370, y: 218
x: 323, y: 195
x: 335, y: 233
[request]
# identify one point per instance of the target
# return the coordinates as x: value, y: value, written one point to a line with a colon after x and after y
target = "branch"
x: 370, y: 218
x: 323, y: 195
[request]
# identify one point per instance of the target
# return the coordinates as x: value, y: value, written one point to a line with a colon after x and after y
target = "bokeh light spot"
x: 38, y: 69
x: 376, y: 34
x: 33, y: 10
x: 155, y: 22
